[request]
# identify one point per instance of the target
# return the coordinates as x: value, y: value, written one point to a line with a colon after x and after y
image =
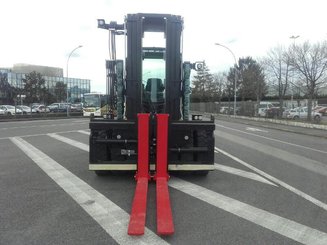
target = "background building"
x: 11, y: 81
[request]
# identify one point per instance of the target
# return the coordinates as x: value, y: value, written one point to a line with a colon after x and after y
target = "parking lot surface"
x: 269, y: 187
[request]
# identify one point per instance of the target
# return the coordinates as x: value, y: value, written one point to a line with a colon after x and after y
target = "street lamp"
x: 235, y: 77
x: 67, y: 75
x: 293, y: 37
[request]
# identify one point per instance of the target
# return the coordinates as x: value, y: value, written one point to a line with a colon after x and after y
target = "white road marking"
x: 242, y: 173
x: 110, y: 217
x: 260, y: 217
x: 230, y: 170
x: 277, y: 181
x: 33, y: 135
x: 75, y: 143
x: 295, y: 159
x: 280, y: 141
x: 315, y: 201
x: 278, y: 224
x: 256, y: 130
x: 84, y: 132
x: 38, y: 120
x: 44, y: 126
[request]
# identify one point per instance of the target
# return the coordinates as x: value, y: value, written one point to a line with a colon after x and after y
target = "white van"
x: 263, y: 107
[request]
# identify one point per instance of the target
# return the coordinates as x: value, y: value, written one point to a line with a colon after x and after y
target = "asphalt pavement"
x: 269, y: 187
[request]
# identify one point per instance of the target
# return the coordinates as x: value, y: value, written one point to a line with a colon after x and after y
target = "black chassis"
x: 114, y: 143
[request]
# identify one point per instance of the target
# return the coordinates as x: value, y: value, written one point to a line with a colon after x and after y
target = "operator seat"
x: 154, y: 95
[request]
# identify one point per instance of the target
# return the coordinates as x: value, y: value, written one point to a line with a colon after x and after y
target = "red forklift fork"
x: 165, y: 224
x: 137, y: 218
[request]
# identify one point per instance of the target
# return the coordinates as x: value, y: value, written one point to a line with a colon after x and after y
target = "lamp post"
x: 293, y: 37
x: 235, y: 77
x: 67, y: 75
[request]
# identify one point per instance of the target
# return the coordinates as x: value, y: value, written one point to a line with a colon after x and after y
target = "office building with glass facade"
x: 11, y: 81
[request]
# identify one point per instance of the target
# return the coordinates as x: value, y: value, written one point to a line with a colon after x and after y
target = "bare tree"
x: 277, y: 70
x: 310, y: 62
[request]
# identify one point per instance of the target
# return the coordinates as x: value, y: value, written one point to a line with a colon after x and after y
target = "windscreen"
x: 153, y: 72
x: 91, y: 100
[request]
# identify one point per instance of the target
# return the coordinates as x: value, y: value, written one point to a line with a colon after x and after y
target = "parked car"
x: 286, y: 112
x: 274, y: 112
x: 223, y: 110
x: 25, y: 109
x: 57, y: 107
x: 76, y: 107
x: 2, y: 112
x: 10, y: 110
x: 302, y: 113
x: 321, y: 109
x: 263, y: 107
x: 39, y: 109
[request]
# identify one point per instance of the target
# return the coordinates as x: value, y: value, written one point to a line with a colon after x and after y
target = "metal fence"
x: 245, y: 108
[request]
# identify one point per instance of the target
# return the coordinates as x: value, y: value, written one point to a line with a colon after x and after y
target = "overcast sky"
x: 44, y: 32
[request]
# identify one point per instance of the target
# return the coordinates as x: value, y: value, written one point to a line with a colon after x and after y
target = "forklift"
x: 148, y: 127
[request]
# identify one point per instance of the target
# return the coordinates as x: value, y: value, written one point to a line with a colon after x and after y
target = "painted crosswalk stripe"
x: 278, y: 224
x: 242, y: 173
x: 110, y: 217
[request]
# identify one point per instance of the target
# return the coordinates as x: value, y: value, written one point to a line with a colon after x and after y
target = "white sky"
x: 44, y: 32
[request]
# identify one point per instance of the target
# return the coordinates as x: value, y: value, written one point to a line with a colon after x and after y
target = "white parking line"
x: 280, y: 141
x: 84, y: 132
x: 242, y: 173
x: 256, y: 130
x: 295, y: 159
x: 281, y: 183
x: 75, y: 143
x: 110, y: 217
x: 33, y: 135
x: 85, y: 147
x: 44, y: 126
x: 283, y: 226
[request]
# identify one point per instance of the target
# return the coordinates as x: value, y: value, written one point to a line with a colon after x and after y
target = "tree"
x: 251, y: 83
x: 277, y: 70
x: 310, y: 62
x: 219, y: 83
x: 60, y: 91
x: 203, y: 87
x: 252, y: 80
x: 34, y: 88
